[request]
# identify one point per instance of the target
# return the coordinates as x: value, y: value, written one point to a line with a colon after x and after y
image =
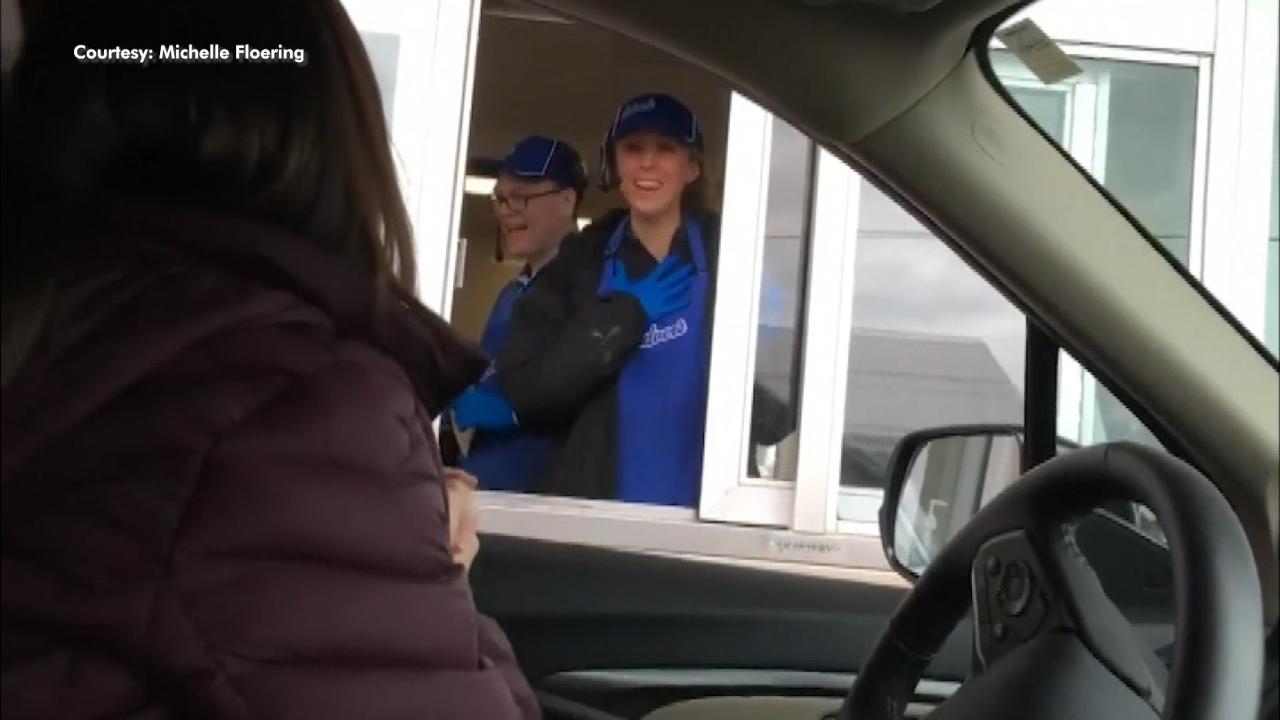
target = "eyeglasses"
x: 518, y: 201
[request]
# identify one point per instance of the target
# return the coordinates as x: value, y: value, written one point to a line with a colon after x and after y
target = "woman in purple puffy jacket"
x: 221, y: 494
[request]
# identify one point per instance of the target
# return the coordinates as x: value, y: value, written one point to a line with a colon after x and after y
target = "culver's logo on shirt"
x: 655, y: 335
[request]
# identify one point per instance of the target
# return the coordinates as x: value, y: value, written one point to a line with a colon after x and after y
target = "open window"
x: 841, y: 323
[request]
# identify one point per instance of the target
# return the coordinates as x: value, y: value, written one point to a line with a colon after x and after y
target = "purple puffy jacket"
x: 222, y: 497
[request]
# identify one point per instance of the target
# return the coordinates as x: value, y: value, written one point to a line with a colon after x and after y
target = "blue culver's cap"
x: 542, y: 158
x: 656, y: 112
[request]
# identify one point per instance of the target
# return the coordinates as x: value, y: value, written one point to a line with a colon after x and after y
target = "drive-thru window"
x: 847, y: 308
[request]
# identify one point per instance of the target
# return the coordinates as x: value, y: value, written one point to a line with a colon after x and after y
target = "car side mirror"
x: 938, y: 479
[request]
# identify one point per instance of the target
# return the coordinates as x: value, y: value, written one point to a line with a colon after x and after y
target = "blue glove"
x: 482, y: 409
x: 667, y: 289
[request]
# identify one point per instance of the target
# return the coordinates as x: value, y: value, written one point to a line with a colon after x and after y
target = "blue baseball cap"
x: 542, y: 158
x: 656, y: 112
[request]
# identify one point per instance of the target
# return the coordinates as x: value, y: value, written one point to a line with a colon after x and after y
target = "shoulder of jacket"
x: 599, y: 230
x: 580, y: 246
x: 272, y: 338
x: 584, y: 249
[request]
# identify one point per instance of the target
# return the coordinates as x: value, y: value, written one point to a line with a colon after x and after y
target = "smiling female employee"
x: 609, y: 350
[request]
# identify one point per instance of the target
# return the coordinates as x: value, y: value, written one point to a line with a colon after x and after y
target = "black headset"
x: 608, y: 176
x: 608, y: 168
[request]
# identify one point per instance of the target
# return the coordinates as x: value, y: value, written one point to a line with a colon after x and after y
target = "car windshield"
x: 1176, y: 118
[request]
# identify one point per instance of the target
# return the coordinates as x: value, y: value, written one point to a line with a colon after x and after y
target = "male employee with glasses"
x: 536, y: 200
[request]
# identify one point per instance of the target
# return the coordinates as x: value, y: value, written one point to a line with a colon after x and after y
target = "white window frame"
x: 428, y: 124
x: 829, y: 312
x: 806, y: 504
x: 727, y: 495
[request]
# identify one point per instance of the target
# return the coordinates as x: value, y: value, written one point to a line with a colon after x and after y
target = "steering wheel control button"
x: 993, y: 566
x: 1016, y: 588
x: 1013, y: 597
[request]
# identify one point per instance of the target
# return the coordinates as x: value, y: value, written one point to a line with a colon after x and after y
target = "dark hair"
x: 698, y: 197
x: 301, y: 145
x: 579, y: 181
x: 579, y: 194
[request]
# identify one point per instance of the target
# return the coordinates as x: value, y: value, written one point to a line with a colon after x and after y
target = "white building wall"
x: 1176, y: 25
x: 1241, y: 126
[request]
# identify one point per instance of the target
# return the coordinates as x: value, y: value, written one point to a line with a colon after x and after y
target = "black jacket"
x: 567, y: 346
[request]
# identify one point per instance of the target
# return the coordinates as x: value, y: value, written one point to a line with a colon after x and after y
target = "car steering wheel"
x: 1049, y: 643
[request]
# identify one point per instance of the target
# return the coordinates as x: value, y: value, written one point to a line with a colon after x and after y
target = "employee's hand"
x: 464, y: 518
x: 482, y: 408
x: 666, y: 289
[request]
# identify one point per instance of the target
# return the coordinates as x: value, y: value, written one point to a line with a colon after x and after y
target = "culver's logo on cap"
x: 637, y: 107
